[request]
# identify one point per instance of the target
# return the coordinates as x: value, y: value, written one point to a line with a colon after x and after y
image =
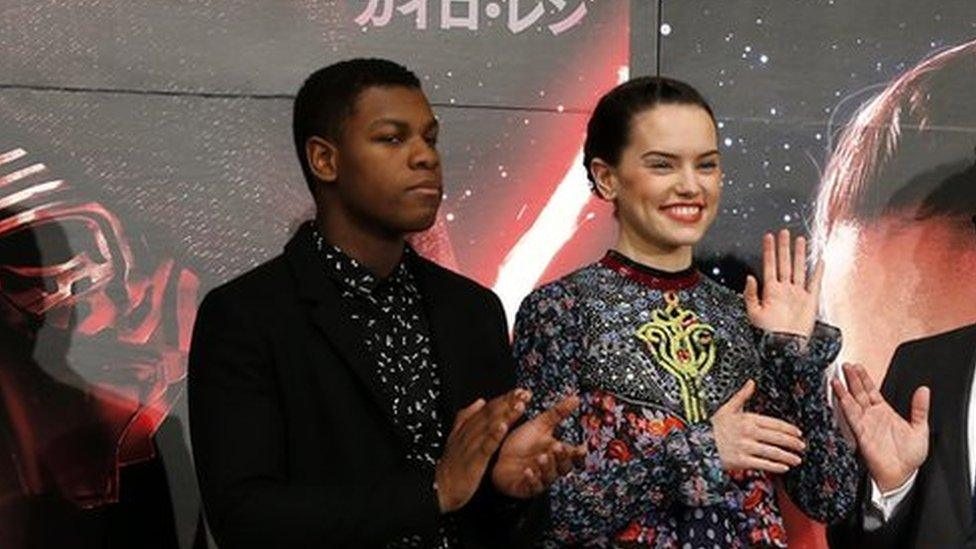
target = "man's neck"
x: 379, y: 253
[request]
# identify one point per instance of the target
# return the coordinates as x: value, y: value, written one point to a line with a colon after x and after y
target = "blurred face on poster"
x: 894, y: 218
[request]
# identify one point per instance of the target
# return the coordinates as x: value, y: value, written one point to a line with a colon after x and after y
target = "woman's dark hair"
x: 328, y: 96
x: 608, y: 130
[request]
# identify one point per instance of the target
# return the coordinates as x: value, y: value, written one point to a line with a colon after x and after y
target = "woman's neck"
x: 669, y: 259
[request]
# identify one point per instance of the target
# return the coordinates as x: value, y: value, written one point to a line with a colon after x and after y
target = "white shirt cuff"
x: 886, y: 503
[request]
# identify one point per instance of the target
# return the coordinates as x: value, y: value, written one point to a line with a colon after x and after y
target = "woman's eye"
x: 389, y: 139
x: 708, y: 166
x: 660, y: 165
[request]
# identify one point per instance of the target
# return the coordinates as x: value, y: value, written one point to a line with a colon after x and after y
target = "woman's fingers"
x: 776, y: 454
x: 852, y: 410
x: 751, y: 295
x: 784, y: 262
x: 547, y: 468
x: 874, y: 395
x: 760, y: 464
x: 855, y: 385
x: 564, y: 459
x: 781, y: 440
x: 769, y: 259
x: 779, y: 425
x: 800, y: 262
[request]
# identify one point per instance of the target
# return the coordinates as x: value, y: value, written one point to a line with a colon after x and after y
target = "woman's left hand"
x: 789, y: 299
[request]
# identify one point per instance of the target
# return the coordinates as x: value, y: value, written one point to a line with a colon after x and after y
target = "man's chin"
x: 420, y: 223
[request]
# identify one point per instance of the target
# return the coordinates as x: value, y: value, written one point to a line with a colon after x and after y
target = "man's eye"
x: 393, y: 139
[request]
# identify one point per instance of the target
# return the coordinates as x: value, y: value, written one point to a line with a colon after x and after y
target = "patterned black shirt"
x: 390, y: 317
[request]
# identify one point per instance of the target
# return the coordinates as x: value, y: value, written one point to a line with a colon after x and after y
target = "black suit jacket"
x: 293, y: 444
x: 937, y: 511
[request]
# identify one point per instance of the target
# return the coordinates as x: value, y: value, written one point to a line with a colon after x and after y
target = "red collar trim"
x: 635, y: 273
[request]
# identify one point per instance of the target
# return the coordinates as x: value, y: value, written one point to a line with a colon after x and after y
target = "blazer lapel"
x: 967, y: 356
x: 332, y: 315
x: 957, y: 372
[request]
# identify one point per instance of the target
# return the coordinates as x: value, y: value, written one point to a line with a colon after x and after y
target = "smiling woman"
x: 666, y: 184
x: 666, y: 362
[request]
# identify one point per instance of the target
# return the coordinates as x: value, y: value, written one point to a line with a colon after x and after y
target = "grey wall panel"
x: 211, y: 180
x: 254, y: 47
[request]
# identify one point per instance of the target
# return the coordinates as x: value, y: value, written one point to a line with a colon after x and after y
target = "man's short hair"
x: 908, y: 149
x: 327, y: 99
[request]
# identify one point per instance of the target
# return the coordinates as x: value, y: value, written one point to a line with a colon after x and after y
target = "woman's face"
x: 667, y: 184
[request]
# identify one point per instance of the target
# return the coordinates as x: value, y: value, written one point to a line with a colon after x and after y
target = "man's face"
x: 389, y: 172
x: 895, y: 279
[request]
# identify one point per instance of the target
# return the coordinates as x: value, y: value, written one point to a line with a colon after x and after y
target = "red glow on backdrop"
x: 75, y: 422
x: 541, y: 167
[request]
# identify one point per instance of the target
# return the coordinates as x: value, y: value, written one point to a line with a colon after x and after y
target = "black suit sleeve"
x: 513, y: 522
x: 893, y: 533
x: 239, y: 440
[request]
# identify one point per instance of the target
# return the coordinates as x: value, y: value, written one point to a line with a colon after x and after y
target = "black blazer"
x: 293, y: 446
x: 937, y: 511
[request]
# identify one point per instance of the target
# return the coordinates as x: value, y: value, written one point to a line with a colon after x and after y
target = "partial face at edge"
x: 896, y: 279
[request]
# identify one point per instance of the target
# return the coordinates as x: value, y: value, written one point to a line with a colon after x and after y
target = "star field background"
x: 783, y: 78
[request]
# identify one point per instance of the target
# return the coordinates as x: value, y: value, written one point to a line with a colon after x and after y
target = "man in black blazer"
x: 918, y: 489
x: 350, y: 393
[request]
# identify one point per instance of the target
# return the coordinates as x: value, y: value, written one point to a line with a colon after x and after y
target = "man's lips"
x: 426, y: 190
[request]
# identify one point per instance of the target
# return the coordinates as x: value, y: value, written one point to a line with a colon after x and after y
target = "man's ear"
x: 605, y: 180
x: 323, y: 158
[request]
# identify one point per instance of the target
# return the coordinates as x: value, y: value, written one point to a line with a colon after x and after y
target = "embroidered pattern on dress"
x: 683, y: 346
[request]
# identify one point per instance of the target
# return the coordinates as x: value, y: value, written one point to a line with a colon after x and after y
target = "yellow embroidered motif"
x: 685, y: 347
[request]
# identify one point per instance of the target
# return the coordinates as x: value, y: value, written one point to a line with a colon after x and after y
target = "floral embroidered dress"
x: 652, y: 355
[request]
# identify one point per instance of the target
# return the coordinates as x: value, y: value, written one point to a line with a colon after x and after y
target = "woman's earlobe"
x: 603, y: 180
x: 605, y: 188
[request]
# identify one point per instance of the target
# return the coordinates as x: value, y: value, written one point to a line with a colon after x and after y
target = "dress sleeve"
x: 794, y: 383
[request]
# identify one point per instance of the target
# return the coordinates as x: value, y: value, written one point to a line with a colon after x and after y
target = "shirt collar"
x: 349, y: 272
x: 649, y: 276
